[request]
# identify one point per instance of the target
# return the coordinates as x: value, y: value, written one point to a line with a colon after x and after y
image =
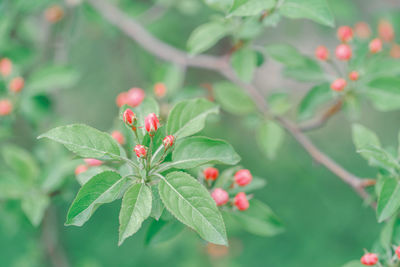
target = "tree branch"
x: 323, y: 118
x: 220, y: 64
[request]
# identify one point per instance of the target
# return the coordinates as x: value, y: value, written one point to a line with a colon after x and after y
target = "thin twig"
x: 319, y: 121
x: 220, y: 64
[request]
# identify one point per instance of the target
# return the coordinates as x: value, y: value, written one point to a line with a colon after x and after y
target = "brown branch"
x: 50, y: 240
x: 220, y: 64
x: 323, y: 118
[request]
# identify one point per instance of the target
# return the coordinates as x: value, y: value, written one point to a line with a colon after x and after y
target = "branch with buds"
x: 221, y: 65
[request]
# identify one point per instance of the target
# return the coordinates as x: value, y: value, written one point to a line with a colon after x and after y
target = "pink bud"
x: 160, y: 90
x: 140, y: 151
x: 80, y: 169
x: 398, y: 252
x: 386, y: 31
x: 16, y: 84
x: 375, y: 46
x: 220, y: 196
x: 93, y: 162
x: 168, y: 141
x: 338, y: 84
x: 119, y: 137
x: 322, y: 53
x: 211, y: 173
x: 345, y: 34
x: 122, y: 99
x: 369, y: 259
x: 395, y: 51
x: 151, y: 123
x: 241, y: 201
x: 243, y: 177
x: 353, y: 75
x: 5, y: 67
x: 129, y: 117
x: 343, y: 52
x: 5, y: 107
x: 135, y: 97
x: 362, y: 30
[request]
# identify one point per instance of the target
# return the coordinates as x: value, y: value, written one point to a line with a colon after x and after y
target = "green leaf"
x: 192, y: 204
x: 259, y: 219
x: 256, y: 184
x: 309, y: 71
x: 244, y: 62
x: 364, y: 138
x: 205, y: 36
x: 189, y: 117
x: 251, y: 7
x: 316, y: 10
x: 317, y: 96
x: 286, y: 54
x: 51, y: 78
x: 195, y: 151
x: 222, y: 5
x: 157, y: 206
x: 84, y: 141
x: 233, y: 99
x: 34, y: 205
x: 103, y: 188
x: 389, y: 199
x: 279, y: 103
x: 84, y: 177
x: 21, y: 162
x: 162, y: 231
x: 384, y: 93
x: 11, y: 187
x: 270, y: 137
x: 379, y: 157
x: 226, y: 178
x: 135, y: 208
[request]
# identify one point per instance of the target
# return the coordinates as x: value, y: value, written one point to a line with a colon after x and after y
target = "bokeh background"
x: 326, y: 222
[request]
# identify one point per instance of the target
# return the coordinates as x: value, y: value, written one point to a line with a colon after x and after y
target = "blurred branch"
x: 152, y: 14
x: 50, y: 239
x: 323, y: 118
x: 221, y: 64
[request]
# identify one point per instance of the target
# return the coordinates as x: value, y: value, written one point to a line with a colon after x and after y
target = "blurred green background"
x: 326, y: 222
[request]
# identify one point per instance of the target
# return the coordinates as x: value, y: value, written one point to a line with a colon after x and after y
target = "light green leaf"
x: 188, y: 117
x: 195, y: 151
x: 286, y: 54
x: 103, y: 188
x: 135, y: 208
x: 316, y: 10
x: 157, y: 206
x: 226, y: 179
x: 233, y: 99
x: 34, y: 205
x: 244, y: 62
x: 222, y: 5
x: 379, y: 157
x: 259, y: 219
x: 51, y: 78
x: 389, y: 199
x: 309, y: 71
x: 270, y: 137
x: 205, y: 36
x: 21, y: 162
x: 84, y: 177
x: 251, y: 7
x: 192, y: 204
x: 314, y: 98
x: 384, y: 93
x: 279, y: 103
x: 256, y: 184
x: 364, y: 138
x: 85, y: 141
